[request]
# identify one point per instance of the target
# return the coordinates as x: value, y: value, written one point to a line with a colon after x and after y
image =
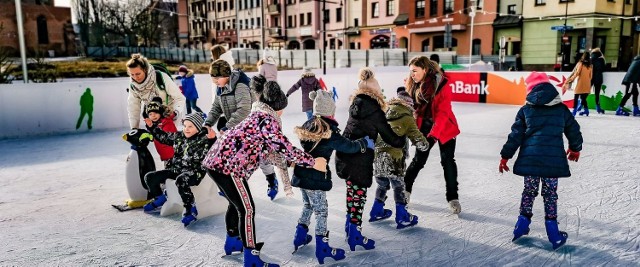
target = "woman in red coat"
x: 436, y: 121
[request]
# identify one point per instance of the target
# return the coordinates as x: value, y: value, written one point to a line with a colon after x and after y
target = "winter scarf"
x: 146, y: 89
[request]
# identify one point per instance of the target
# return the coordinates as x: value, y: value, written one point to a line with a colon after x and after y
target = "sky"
x: 65, y: 3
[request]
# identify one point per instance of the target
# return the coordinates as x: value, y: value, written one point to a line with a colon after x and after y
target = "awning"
x: 507, y: 21
x: 402, y: 19
x: 352, y: 31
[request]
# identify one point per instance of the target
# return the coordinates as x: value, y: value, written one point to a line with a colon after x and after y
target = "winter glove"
x: 573, y: 155
x: 370, y: 143
x: 503, y: 165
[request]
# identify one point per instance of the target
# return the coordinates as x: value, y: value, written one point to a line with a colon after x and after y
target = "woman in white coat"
x: 145, y: 85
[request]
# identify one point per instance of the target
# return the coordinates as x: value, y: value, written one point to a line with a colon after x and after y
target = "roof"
x: 402, y: 19
x: 507, y: 21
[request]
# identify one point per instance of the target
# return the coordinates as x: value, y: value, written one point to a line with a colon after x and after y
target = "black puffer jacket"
x: 322, y: 145
x: 366, y: 118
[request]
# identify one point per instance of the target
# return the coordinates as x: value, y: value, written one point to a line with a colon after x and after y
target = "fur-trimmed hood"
x: 375, y: 95
x: 399, y: 108
x: 305, y: 133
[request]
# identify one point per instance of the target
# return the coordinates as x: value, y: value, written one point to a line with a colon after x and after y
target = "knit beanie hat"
x: 323, y: 104
x: 183, y: 68
x: 534, y: 79
x: 154, y: 106
x: 404, y: 95
x: 306, y: 69
x: 367, y: 80
x: 220, y: 68
x: 273, y: 96
x: 197, y: 118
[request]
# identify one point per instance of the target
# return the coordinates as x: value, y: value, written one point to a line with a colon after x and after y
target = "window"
x: 224, y: 6
x: 302, y: 20
x: 326, y: 16
x: 566, y: 1
x: 217, y: 25
x: 43, y: 33
x: 355, y: 22
x: 309, y: 18
x: 391, y: 8
x: 420, y: 8
x: 289, y: 22
x: 511, y: 9
x: 231, y: 5
x: 276, y: 22
x: 479, y: 4
x: 375, y: 10
x: 234, y: 25
x: 338, y: 14
x: 219, y: 6
x: 541, y: 2
x: 433, y: 8
x: 259, y: 19
x: 448, y: 7
x: 252, y: 23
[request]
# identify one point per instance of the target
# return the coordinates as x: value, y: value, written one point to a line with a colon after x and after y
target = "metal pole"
x: 324, y: 37
x: 237, y: 25
x: 262, y: 26
x: 23, y: 51
x: 563, y: 33
x: 473, y: 15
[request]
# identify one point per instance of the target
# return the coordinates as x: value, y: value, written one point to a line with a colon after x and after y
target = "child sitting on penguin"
x: 190, y: 145
x: 156, y: 112
x: 320, y: 136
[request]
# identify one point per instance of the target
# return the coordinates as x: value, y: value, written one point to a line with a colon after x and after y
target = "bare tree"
x: 5, y: 62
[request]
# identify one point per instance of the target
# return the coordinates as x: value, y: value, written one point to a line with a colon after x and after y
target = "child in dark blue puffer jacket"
x: 537, y: 132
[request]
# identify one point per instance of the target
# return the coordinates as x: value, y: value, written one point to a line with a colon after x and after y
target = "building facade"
x: 46, y: 28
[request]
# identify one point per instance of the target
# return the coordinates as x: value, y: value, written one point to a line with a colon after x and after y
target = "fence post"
x: 291, y: 53
x: 366, y: 56
x: 349, y: 58
x: 305, y: 58
x: 279, y: 59
x: 334, y: 59
x: 322, y: 58
x: 404, y: 58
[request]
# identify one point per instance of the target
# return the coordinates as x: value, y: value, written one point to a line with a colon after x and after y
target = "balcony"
x: 275, y: 32
x: 274, y: 9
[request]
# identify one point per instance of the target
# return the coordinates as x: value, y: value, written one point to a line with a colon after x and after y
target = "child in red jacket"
x: 155, y: 111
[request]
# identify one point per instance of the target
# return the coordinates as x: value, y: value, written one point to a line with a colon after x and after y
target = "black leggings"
x: 628, y: 93
x: 240, y: 218
x: 582, y: 97
x: 448, y: 162
x: 184, y: 182
x: 597, y: 87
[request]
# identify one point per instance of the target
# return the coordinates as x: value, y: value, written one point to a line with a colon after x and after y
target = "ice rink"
x: 56, y: 194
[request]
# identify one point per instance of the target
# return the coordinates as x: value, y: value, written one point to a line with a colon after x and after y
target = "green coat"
x: 390, y: 161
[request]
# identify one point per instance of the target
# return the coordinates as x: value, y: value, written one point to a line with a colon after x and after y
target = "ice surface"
x: 56, y: 194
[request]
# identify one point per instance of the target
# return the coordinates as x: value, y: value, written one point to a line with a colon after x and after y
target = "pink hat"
x: 534, y: 79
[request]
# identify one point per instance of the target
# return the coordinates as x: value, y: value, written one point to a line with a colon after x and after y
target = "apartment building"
x: 226, y: 23
x: 250, y: 26
x: 379, y: 17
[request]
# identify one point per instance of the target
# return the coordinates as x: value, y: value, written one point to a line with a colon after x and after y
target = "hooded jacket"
x: 389, y: 160
x: 306, y: 84
x: 241, y: 149
x: 233, y: 101
x: 366, y: 118
x: 322, y: 145
x: 269, y: 70
x: 189, y: 86
x: 537, y: 132
x: 583, y: 74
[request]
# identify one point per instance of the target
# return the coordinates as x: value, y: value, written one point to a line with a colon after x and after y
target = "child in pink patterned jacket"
x: 232, y: 160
